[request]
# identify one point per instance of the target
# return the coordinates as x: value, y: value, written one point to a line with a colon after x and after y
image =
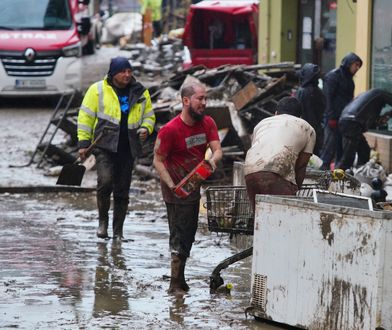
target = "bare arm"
x: 300, y: 167
x: 162, y: 171
x: 216, y: 153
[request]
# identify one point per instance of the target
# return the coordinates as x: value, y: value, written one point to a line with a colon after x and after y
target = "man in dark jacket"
x: 358, y: 116
x: 312, y: 101
x: 339, y: 91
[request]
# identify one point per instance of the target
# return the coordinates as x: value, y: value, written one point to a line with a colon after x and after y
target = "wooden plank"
x: 245, y: 95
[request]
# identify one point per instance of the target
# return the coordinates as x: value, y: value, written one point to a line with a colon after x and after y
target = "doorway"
x: 317, y: 33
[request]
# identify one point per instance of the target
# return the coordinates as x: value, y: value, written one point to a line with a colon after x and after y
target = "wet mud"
x: 56, y: 274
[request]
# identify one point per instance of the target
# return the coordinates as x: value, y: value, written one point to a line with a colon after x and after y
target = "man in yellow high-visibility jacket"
x: 156, y: 14
x: 120, y: 108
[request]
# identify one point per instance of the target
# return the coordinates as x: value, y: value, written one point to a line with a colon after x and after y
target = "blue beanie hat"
x: 117, y: 65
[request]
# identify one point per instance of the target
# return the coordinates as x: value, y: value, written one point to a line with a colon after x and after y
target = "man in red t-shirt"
x: 181, y: 145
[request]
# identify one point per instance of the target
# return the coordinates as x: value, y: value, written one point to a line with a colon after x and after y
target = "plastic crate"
x: 307, y: 189
x: 229, y: 210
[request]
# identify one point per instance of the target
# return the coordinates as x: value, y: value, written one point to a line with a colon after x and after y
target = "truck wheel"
x: 89, y: 49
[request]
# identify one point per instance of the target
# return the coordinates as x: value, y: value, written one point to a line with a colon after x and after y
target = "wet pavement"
x: 55, y: 273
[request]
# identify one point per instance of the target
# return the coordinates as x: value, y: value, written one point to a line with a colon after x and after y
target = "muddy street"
x: 55, y: 273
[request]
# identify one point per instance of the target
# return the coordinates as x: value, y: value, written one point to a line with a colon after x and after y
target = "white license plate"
x: 30, y: 83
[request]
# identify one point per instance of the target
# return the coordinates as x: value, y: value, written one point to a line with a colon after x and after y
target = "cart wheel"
x: 215, y: 282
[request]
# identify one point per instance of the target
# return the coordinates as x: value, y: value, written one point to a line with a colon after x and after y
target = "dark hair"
x: 290, y: 106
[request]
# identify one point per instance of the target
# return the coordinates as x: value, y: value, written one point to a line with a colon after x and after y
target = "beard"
x: 196, y: 116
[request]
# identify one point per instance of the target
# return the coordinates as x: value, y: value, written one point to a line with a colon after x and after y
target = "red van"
x: 222, y: 32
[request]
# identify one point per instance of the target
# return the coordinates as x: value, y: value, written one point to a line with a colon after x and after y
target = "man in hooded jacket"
x: 358, y: 116
x: 120, y: 108
x: 339, y: 91
x: 312, y: 101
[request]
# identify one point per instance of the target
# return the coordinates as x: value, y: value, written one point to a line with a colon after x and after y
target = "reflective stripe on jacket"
x: 101, y: 108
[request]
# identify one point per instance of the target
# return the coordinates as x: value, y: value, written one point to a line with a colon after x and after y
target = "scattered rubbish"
x: 163, y: 57
x: 122, y: 27
x: 367, y: 172
x: 239, y: 96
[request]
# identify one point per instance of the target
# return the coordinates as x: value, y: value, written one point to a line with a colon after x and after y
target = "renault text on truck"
x: 41, y: 45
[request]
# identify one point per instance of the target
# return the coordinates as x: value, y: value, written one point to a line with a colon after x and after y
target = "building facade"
x: 323, y: 31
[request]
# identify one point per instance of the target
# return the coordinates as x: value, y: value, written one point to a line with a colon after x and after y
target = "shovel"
x: 72, y: 174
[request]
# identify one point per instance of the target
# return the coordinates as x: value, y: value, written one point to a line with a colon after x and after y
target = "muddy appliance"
x: 324, y: 265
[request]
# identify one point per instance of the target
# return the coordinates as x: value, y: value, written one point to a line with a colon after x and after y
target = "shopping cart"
x: 229, y: 210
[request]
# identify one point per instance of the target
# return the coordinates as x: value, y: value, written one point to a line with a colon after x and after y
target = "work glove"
x: 333, y: 123
x: 143, y: 133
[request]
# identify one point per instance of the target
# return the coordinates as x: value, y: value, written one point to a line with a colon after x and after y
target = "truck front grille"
x: 15, y: 64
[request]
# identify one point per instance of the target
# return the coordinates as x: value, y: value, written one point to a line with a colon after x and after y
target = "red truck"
x: 222, y: 32
x: 41, y: 44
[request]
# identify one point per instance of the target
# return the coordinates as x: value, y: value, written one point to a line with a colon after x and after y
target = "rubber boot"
x: 103, y: 214
x: 102, y: 231
x: 175, y: 279
x: 184, y: 285
x: 119, y: 214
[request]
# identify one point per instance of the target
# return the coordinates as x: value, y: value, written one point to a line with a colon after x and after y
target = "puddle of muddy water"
x: 56, y: 274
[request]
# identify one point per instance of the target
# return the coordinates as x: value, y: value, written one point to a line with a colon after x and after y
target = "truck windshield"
x: 35, y: 15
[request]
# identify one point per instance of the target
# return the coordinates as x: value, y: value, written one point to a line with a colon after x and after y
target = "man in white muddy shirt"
x: 281, y: 147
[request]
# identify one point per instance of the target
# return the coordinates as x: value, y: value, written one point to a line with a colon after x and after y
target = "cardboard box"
x: 382, y: 143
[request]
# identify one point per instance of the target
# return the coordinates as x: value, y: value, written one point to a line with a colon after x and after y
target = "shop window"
x: 381, y: 69
x: 328, y: 34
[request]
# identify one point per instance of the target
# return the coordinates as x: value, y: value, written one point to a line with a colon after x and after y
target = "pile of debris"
x: 239, y: 96
x: 163, y: 57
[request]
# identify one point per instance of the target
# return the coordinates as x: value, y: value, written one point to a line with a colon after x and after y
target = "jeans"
x: 183, y: 220
x: 332, y: 147
x: 353, y: 142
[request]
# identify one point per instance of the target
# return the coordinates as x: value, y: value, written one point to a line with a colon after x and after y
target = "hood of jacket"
x: 309, y: 74
x: 349, y: 59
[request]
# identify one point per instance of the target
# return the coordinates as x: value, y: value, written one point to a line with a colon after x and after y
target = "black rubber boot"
x: 103, y: 214
x: 184, y: 285
x: 119, y: 214
x: 102, y: 231
x: 175, y: 279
